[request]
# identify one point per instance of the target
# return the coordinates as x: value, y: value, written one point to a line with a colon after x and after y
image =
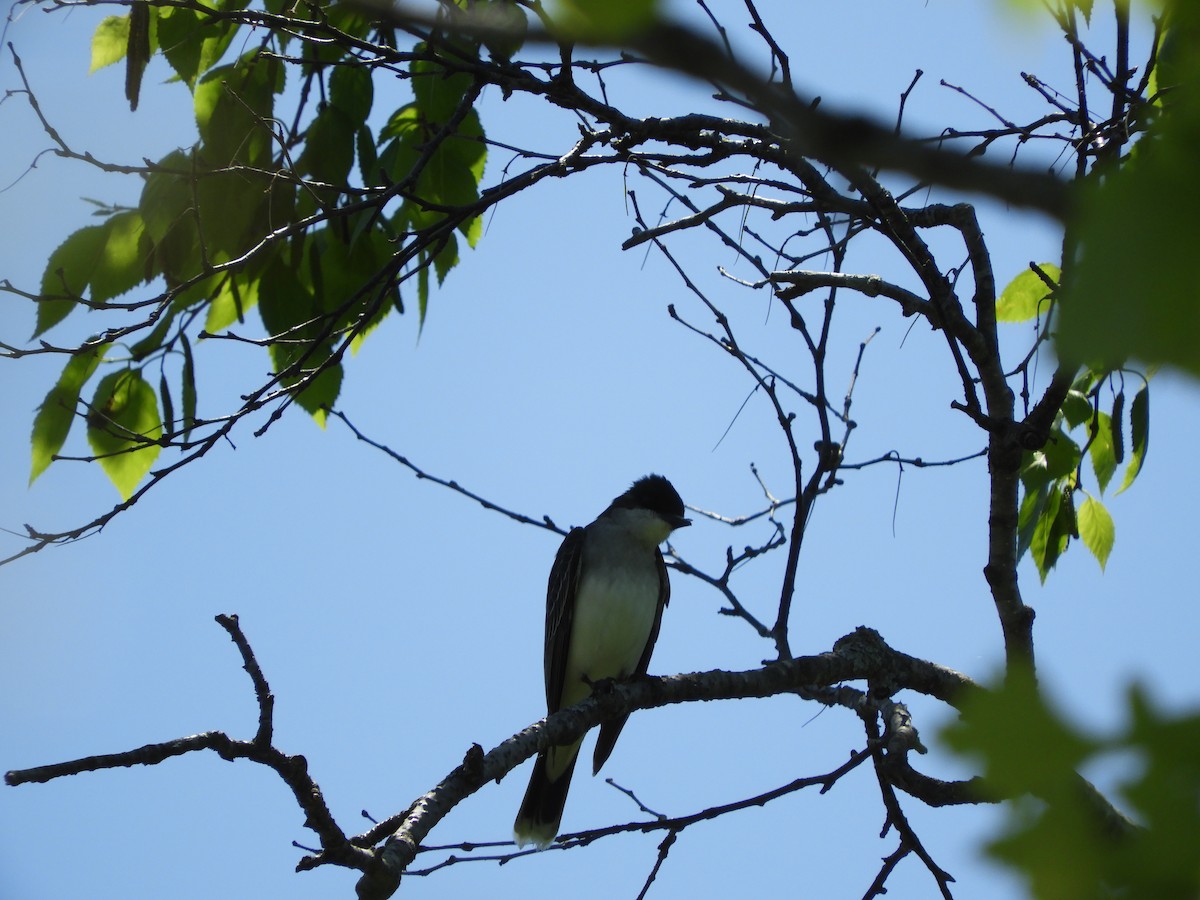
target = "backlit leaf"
x: 191, y: 41
x: 1096, y: 529
x: 109, y: 42
x: 1026, y: 296
x: 54, y: 417
x: 67, y: 275
x: 352, y: 92
x: 1101, y: 451
x: 123, y: 425
x: 121, y: 263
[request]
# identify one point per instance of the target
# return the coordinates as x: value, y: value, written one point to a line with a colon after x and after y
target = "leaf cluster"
x: 260, y: 219
x: 1052, y: 835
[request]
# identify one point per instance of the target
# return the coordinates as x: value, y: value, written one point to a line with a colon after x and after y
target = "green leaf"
x: 122, y: 262
x: 321, y: 393
x: 603, y: 20
x: 438, y: 93
x: 1056, y: 841
x: 1077, y: 408
x: 108, y: 258
x: 1024, y: 745
x: 329, y: 147
x: 236, y: 295
x: 1139, y: 427
x: 368, y: 156
x: 1096, y: 529
x: 1134, y: 291
x: 1058, y: 459
x: 67, y: 275
x: 1033, y: 504
x: 234, y: 105
x: 446, y: 259
x: 1160, y: 862
x: 1052, y: 531
x: 167, y: 207
x: 109, y: 42
x: 352, y: 91
x: 472, y: 230
x: 1102, y: 452
x: 53, y: 421
x: 123, y: 419
x: 191, y: 41
x: 404, y: 123
x: 1026, y: 296
x: 294, y: 319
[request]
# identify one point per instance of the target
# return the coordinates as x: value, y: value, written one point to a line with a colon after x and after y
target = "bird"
x: 604, y: 604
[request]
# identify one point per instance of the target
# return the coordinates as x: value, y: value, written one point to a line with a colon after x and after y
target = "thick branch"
x: 860, y: 655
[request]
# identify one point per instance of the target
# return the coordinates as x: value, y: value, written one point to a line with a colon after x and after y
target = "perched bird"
x: 604, y: 605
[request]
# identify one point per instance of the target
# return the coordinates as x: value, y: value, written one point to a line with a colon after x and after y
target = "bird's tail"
x: 542, y: 809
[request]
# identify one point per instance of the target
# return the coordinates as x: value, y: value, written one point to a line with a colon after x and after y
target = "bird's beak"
x: 678, y: 522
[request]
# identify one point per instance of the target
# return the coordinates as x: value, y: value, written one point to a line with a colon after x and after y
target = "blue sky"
x: 398, y: 623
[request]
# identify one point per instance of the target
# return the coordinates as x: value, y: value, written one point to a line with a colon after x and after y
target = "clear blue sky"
x: 398, y: 623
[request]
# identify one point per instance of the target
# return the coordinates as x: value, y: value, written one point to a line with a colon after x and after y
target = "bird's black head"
x: 656, y: 494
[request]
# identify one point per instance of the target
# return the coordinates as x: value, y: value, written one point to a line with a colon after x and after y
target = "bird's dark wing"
x: 560, y: 607
x: 610, y: 731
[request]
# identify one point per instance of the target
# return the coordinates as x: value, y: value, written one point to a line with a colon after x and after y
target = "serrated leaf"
x: 321, y: 393
x: 1033, y: 504
x: 167, y: 207
x: 329, y: 147
x: 123, y: 419
x: 236, y: 295
x: 1077, y: 408
x: 293, y: 317
x: 192, y: 42
x: 1024, y: 745
x: 1026, y: 296
x: 121, y: 263
x: 1058, y: 459
x: 109, y: 42
x: 1051, y: 533
x: 472, y: 230
x: 457, y: 166
x: 1133, y: 288
x: 437, y: 92
x: 233, y: 104
x: 402, y: 124
x: 67, y: 275
x: 446, y: 259
x: 368, y: 156
x: 54, y: 417
x: 1096, y: 529
x: 1139, y: 435
x: 352, y: 91
x: 1104, y: 459
x: 109, y: 259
